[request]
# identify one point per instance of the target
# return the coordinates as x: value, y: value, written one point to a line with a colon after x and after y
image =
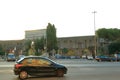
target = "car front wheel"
x: 23, y: 75
x: 60, y: 73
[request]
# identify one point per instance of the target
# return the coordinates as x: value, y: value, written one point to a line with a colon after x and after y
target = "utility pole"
x: 95, y: 38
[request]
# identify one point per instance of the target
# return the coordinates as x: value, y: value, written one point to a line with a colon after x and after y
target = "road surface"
x: 77, y: 70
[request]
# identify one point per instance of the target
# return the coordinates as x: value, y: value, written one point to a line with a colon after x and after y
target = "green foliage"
x: 1, y: 50
x: 65, y: 50
x: 114, y: 47
x: 50, y: 41
x: 2, y: 53
x: 108, y: 34
x: 27, y: 46
x: 51, y: 37
x: 117, y: 40
x: 112, y: 36
x: 39, y: 45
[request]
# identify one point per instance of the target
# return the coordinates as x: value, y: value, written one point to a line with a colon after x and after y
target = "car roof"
x: 34, y: 57
x: 26, y: 57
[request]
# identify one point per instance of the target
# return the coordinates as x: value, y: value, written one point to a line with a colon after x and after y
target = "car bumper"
x: 16, y: 71
x: 97, y: 59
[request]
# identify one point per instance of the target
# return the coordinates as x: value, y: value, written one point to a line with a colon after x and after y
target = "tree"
x: 108, y: 34
x: 27, y: 46
x: 51, y: 37
x: 114, y: 47
x: 65, y: 50
x: 111, y: 37
x: 39, y: 45
x: 1, y: 50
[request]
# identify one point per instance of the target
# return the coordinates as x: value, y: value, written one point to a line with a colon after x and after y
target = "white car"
x: 90, y: 57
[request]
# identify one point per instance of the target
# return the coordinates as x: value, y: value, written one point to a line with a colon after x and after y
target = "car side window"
x: 36, y: 62
x: 27, y: 61
x: 43, y: 62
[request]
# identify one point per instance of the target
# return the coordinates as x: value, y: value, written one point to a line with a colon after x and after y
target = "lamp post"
x: 95, y: 42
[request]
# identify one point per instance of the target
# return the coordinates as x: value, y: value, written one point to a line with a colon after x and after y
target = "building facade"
x: 77, y: 43
x: 35, y: 34
x: 16, y: 45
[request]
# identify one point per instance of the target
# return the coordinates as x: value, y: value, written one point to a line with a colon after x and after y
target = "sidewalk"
x: 75, y: 61
x: 69, y: 63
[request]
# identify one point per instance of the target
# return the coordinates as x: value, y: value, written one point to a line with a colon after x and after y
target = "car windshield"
x: 51, y: 60
x: 102, y: 56
x: 43, y: 58
x: 11, y: 55
x: 19, y: 60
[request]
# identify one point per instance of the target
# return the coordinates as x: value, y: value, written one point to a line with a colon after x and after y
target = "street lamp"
x: 95, y: 43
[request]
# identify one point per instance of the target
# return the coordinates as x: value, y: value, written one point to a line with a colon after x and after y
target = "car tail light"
x: 18, y: 66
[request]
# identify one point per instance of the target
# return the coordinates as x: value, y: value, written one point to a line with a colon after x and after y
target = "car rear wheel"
x: 23, y: 75
x: 60, y: 73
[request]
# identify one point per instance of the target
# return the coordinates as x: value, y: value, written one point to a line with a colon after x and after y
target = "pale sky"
x: 70, y: 17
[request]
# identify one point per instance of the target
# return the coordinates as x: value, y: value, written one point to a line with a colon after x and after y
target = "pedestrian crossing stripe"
x: 6, y: 71
x: 6, y: 66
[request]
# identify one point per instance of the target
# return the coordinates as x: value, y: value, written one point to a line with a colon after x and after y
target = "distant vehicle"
x: 104, y: 58
x: 38, y: 66
x: 90, y: 57
x: 115, y: 59
x: 11, y: 57
x: 84, y: 57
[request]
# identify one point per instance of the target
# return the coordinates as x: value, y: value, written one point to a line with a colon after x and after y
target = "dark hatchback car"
x: 38, y: 66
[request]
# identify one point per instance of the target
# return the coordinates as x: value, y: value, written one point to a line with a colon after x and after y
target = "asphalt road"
x: 85, y: 70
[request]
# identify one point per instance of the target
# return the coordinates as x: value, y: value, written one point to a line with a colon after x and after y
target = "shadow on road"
x: 43, y: 78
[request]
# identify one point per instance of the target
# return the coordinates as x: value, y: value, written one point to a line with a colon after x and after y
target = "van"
x: 11, y: 57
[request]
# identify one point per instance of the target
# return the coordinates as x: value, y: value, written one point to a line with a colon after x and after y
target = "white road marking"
x: 6, y: 71
x: 6, y: 65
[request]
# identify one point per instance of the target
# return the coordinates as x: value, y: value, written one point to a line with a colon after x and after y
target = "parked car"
x: 90, y: 57
x: 84, y: 56
x: 115, y: 59
x: 11, y: 57
x: 38, y: 66
x: 104, y: 58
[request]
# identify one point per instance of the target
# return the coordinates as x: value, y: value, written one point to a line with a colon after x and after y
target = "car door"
x: 45, y: 67
x: 29, y: 66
